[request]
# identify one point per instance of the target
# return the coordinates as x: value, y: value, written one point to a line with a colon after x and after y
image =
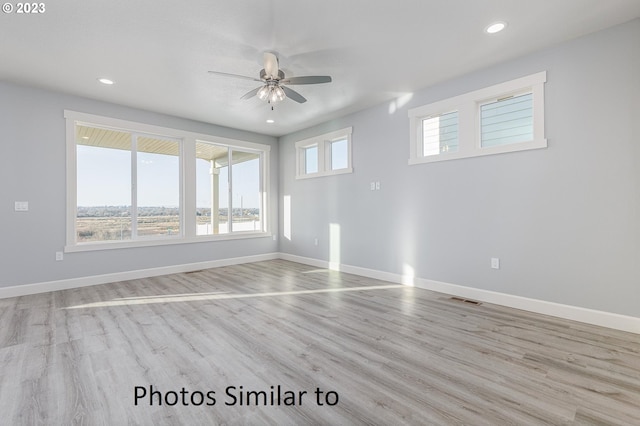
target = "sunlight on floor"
x: 199, y: 297
x: 173, y: 295
x: 319, y: 271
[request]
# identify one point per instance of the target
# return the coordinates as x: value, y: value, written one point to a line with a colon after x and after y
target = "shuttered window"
x: 507, y: 121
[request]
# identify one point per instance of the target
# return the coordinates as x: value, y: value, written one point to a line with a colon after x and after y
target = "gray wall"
x: 32, y: 168
x: 564, y: 221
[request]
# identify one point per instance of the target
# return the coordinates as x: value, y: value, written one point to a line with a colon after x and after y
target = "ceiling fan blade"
x: 309, y: 79
x: 293, y: 95
x: 226, y: 74
x: 251, y: 94
x: 270, y: 65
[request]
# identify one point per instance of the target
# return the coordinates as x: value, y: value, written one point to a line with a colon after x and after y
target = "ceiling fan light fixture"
x: 274, y: 84
x: 263, y: 93
x: 279, y: 93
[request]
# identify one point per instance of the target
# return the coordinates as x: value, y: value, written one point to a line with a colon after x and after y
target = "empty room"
x: 282, y: 212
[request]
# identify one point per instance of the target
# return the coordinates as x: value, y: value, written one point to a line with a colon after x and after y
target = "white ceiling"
x: 158, y: 52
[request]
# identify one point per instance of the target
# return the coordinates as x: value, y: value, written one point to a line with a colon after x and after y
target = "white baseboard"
x: 575, y: 313
x: 44, y: 287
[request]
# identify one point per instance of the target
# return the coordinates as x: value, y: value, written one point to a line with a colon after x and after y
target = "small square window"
x: 440, y: 134
x: 506, y: 121
x: 339, y: 154
x: 311, y: 159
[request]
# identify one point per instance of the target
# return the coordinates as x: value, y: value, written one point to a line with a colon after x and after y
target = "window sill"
x: 480, y: 152
x: 327, y: 173
x: 113, y: 245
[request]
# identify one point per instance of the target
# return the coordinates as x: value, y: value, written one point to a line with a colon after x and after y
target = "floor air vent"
x: 460, y: 299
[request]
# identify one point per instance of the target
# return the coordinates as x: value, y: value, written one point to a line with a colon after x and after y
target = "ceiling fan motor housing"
x: 263, y: 75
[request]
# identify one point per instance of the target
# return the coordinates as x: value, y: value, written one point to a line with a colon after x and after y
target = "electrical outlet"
x: 378, y: 186
x: 315, y: 242
x: 274, y: 238
x: 22, y: 206
x: 373, y: 186
x: 495, y: 263
x: 59, y: 256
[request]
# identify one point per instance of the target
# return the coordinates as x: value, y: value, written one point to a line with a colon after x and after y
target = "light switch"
x: 22, y: 206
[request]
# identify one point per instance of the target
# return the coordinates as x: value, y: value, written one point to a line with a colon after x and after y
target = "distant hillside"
x: 124, y: 211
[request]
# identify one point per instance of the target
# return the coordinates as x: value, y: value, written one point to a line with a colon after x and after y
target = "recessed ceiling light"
x: 105, y: 81
x: 85, y: 137
x: 270, y: 121
x: 496, y: 27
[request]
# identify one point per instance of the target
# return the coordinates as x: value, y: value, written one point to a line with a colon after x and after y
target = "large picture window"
x: 128, y: 185
x: 131, y: 184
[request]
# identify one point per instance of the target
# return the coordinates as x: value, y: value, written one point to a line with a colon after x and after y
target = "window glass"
x: 440, y: 134
x: 339, y: 154
x: 158, y: 187
x: 117, y: 201
x: 507, y: 121
x: 311, y: 159
x: 103, y: 188
x: 246, y: 196
x: 212, y: 189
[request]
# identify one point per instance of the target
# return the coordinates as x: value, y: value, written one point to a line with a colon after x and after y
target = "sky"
x: 104, y: 179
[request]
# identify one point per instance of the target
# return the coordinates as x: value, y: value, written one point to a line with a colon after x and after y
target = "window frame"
x: 324, y: 143
x: 262, y: 183
x: 422, y: 142
x: 187, y: 161
x: 468, y: 107
x: 329, y: 155
x: 305, y: 153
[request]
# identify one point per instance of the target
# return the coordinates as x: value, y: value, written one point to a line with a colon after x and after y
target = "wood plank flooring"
x: 388, y: 354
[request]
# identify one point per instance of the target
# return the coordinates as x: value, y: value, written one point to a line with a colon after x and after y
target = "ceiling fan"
x: 273, y: 89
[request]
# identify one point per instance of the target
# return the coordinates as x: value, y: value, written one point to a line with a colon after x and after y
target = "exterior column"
x: 215, y: 199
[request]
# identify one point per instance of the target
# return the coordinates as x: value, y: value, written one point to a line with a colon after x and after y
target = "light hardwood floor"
x: 393, y: 354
